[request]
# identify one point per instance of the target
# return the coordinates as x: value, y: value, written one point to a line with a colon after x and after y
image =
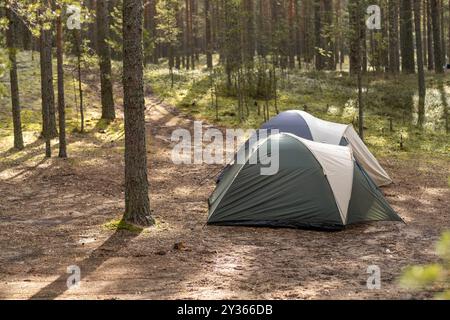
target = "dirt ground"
x: 52, y: 215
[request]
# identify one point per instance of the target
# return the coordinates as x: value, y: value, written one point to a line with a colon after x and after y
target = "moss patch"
x: 120, y: 224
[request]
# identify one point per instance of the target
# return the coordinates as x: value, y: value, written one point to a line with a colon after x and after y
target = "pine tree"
x: 104, y: 54
x: 137, y: 204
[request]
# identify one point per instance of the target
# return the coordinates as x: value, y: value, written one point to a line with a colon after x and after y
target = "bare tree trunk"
x: 406, y: 37
x: 292, y: 33
x: 104, y: 53
x: 15, y: 101
x: 424, y: 31
x: 448, y: 31
x: 92, y: 32
x: 61, y: 103
x: 354, y: 36
x: 328, y: 39
x: 420, y: 68
x: 442, y: 18
x: 248, y: 31
x: 394, y: 61
x: 47, y: 93
x: 188, y: 31
x: 137, y: 204
x: 77, y: 36
x: 435, y: 17
x: 358, y: 15
x: 430, y: 37
x: 319, y: 60
x: 209, y: 61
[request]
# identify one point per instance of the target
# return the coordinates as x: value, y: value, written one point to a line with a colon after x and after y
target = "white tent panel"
x: 338, y: 165
x: 324, y: 131
x: 366, y: 159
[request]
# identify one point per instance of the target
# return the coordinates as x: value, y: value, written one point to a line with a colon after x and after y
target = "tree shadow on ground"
x: 114, y: 243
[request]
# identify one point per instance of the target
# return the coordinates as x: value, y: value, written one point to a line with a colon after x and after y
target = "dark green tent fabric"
x: 297, y: 196
x: 367, y: 203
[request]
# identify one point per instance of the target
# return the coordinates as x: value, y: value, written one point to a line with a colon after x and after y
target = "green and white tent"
x: 317, y: 186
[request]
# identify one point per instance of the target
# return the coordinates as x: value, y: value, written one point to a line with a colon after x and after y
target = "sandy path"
x: 51, y: 216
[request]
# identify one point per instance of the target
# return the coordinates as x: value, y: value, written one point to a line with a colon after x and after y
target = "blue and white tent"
x: 306, y: 126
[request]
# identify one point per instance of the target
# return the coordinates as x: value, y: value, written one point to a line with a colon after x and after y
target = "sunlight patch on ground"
x: 13, y: 289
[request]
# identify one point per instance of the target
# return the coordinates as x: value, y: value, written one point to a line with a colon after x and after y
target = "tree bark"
x: 394, y: 39
x: 104, y: 53
x: 92, y: 32
x: 137, y: 204
x: 47, y: 92
x: 327, y: 38
x: 356, y: 35
x: 292, y: 46
x: 430, y: 54
x: 420, y: 63
x: 61, y: 103
x: 77, y: 36
x: 15, y: 101
x: 319, y: 60
x: 249, y: 31
x: 442, y: 19
x: 435, y: 18
x: 406, y: 37
x: 208, y: 40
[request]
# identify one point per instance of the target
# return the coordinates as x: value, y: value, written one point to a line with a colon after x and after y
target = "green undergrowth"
x: 95, y: 130
x: 327, y: 95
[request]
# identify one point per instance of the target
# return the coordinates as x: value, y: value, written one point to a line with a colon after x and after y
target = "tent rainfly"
x: 317, y: 186
x: 304, y: 125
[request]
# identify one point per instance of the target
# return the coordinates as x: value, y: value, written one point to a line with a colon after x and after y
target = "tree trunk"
x: 298, y: 35
x: 356, y: 35
x: 406, y: 37
x: 77, y: 36
x: 292, y: 33
x: 137, y: 204
x: 448, y: 31
x: 61, y: 103
x: 188, y: 31
x: 47, y: 92
x: 424, y: 31
x: 420, y: 68
x: 319, y: 60
x: 339, y: 45
x: 249, y: 31
x: 430, y: 46
x: 384, y: 51
x: 104, y: 54
x: 328, y: 39
x: 150, y: 27
x: 442, y: 18
x: 92, y: 32
x: 191, y: 33
x: 15, y: 102
x: 209, y: 61
x: 394, y: 61
x: 435, y: 18
x: 361, y: 39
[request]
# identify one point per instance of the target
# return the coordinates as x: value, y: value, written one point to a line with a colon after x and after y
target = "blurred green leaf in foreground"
x: 434, y: 276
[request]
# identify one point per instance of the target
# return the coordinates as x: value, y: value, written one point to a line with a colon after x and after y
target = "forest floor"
x: 56, y: 213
